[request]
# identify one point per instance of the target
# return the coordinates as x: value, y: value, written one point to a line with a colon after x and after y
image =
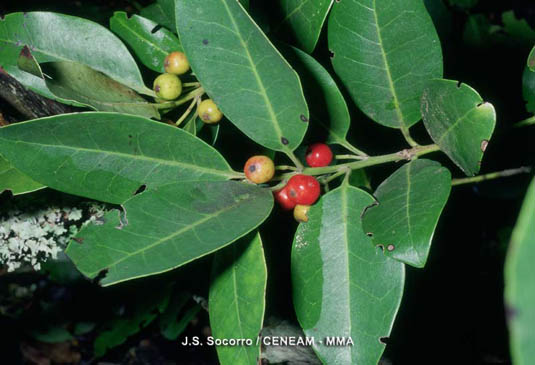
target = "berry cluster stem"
x: 173, y: 104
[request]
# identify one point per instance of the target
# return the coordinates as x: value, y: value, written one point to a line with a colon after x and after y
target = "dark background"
x: 452, y: 311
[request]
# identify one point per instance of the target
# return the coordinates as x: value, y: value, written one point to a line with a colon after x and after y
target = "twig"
x: 491, y: 176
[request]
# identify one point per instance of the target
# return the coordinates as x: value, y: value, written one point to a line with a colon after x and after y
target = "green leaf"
x: 52, y: 335
x: 79, y: 83
x: 67, y: 38
x: 384, y: 53
x: 108, y: 156
x: 167, y: 227
x: 410, y: 203
x: 149, y: 45
x: 237, y: 298
x: 519, y: 289
x: 301, y: 21
x: 328, y: 108
x: 459, y: 122
x: 263, y: 98
x: 146, y: 309
x: 15, y: 181
x: 344, y: 286
x: 528, y: 82
x: 161, y: 12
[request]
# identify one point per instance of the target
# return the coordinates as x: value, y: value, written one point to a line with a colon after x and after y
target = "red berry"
x: 319, y: 155
x: 283, y: 199
x: 303, y: 189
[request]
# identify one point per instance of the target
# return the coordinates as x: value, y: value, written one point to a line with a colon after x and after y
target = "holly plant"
x: 198, y: 120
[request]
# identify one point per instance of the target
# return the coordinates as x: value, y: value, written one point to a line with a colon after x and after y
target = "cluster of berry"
x: 168, y: 86
x: 301, y: 191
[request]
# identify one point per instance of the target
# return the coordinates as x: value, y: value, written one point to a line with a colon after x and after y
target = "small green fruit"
x: 167, y: 86
x: 209, y: 112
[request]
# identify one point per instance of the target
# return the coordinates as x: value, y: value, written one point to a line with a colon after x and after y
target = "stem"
x: 173, y: 104
x: 350, y: 157
x: 333, y: 176
x: 408, y: 138
x: 525, y: 122
x: 353, y: 149
x: 285, y: 167
x: 187, y: 112
x: 191, y: 84
x: 374, y: 160
x: 491, y: 176
x: 294, y: 159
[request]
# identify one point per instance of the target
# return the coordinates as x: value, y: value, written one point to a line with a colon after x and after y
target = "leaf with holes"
x: 263, y: 98
x: 459, y: 122
x: 150, y: 42
x: 410, y: 202
x: 328, y: 109
x: 300, y: 21
x: 107, y: 156
x: 385, y: 51
x: 15, y: 181
x: 237, y: 298
x: 161, y: 12
x: 519, y: 289
x: 67, y: 39
x: 167, y: 227
x: 343, y: 285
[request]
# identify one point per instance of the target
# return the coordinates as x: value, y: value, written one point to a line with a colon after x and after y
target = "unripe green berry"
x: 209, y: 112
x: 176, y: 63
x: 167, y: 86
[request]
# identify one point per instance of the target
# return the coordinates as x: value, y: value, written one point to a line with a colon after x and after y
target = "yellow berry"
x: 176, y: 63
x: 209, y: 112
x: 301, y: 213
x: 259, y: 169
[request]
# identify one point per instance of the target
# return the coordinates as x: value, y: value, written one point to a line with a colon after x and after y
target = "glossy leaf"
x: 459, y: 122
x: 150, y: 42
x: 161, y: 12
x: 342, y: 285
x: 263, y: 98
x: 519, y: 288
x: 301, y: 21
x: 410, y: 202
x: 15, y: 181
x: 237, y: 298
x: 85, y: 86
x: 328, y: 108
x: 384, y: 52
x: 167, y: 227
x: 58, y: 37
x: 108, y: 156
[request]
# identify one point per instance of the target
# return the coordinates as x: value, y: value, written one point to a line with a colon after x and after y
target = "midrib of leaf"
x: 141, y: 36
x: 272, y: 114
x: 346, y: 242
x: 455, y: 124
x: 136, y: 157
x: 297, y: 8
x: 387, y: 68
x: 171, y: 236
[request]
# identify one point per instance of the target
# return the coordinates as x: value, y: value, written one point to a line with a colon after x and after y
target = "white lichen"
x: 34, y: 237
